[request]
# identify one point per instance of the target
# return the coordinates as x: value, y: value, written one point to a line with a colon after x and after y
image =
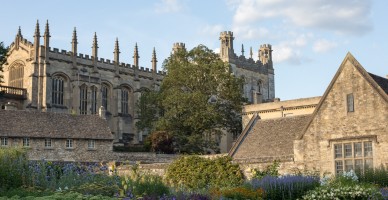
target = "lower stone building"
x: 57, y: 136
x: 347, y: 130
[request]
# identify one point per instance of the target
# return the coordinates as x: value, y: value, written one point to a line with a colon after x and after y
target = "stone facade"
x: 333, y: 125
x: 259, y: 85
x: 278, y: 109
x: 63, y: 81
x: 57, y: 136
x: 71, y: 82
x: 348, y: 128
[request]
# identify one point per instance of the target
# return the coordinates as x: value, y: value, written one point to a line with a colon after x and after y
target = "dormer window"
x: 350, y: 102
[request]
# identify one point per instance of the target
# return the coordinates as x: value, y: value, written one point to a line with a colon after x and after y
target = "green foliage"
x: 270, y: 170
x: 194, y: 172
x: 139, y: 185
x: 147, y: 108
x: 344, y: 186
x: 198, y: 96
x: 377, y: 176
x: 3, y: 58
x: 242, y: 193
x: 60, y: 196
x: 13, y: 168
x: 161, y: 142
x: 359, y: 191
x: 25, y: 192
x: 97, y: 189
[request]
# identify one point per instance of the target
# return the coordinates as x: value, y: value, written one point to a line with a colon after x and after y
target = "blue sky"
x: 310, y: 38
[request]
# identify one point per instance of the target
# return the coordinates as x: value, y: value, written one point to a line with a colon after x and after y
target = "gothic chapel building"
x: 71, y: 82
x: 63, y: 81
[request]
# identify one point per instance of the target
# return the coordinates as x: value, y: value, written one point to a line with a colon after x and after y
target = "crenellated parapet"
x: 84, y: 60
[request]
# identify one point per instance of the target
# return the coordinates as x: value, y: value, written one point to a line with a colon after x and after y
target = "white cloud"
x: 323, y: 45
x: 213, y: 30
x: 168, y: 6
x: 248, y: 32
x: 290, y: 51
x: 344, y: 17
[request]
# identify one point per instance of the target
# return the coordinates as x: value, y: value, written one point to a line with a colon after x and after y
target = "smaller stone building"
x: 348, y: 129
x: 57, y: 136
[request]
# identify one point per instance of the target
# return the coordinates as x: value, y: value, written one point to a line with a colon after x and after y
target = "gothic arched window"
x: 93, y: 100
x: 16, y: 73
x: 259, y: 86
x: 83, y: 98
x: 105, y: 96
x: 57, y: 88
x: 124, y: 100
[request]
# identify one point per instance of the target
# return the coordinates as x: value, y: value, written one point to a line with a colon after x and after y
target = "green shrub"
x: 377, y: 176
x: 194, y: 172
x: 360, y: 191
x: 61, y: 196
x: 270, y: 170
x: 96, y: 189
x: 138, y: 185
x: 344, y: 186
x: 24, y: 192
x: 242, y: 193
x: 13, y: 167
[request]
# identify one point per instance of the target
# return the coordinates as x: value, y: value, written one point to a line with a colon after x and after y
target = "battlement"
x: 266, y: 46
x: 226, y: 33
x: 179, y: 45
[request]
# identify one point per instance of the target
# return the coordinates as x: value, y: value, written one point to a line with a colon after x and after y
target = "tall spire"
x: 37, y: 31
x: 95, y: 46
x: 251, y: 53
x: 242, y: 49
x: 74, y: 42
x: 36, y: 41
x: 154, y: 61
x: 116, y: 52
x: 46, y: 35
x: 136, y: 56
x: 20, y: 32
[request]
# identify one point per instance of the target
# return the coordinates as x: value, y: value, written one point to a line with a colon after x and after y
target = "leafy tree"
x: 3, y: 58
x: 199, y: 96
x: 147, y: 109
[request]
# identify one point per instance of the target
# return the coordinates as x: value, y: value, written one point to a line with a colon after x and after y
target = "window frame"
x: 358, y: 161
x: 125, y: 92
x: 57, y: 87
x: 91, y: 144
x: 69, y: 144
x: 105, y: 96
x: 350, y: 103
x: 83, y: 100
x: 4, y: 141
x: 26, y: 142
x: 48, y: 143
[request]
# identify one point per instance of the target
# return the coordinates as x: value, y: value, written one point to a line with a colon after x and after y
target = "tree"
x: 3, y: 58
x: 199, y: 97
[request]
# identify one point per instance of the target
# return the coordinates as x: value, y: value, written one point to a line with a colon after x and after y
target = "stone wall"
x: 58, y: 151
x: 334, y: 124
x: 279, y: 109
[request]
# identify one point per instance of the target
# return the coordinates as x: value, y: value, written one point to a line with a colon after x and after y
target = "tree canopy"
x: 3, y: 58
x: 198, y: 97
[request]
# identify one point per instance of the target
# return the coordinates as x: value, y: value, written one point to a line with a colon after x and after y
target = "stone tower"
x: 226, y: 51
x: 177, y: 46
x: 265, y: 54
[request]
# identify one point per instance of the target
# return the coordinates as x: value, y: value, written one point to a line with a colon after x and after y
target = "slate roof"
x: 382, y: 82
x: 21, y: 123
x: 270, y: 138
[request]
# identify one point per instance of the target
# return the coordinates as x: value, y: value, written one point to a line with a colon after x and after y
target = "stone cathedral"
x: 39, y: 77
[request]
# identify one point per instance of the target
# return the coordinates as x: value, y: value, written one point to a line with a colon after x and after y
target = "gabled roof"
x: 382, y: 82
x: 270, y: 138
x: 21, y: 123
x: 378, y: 83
